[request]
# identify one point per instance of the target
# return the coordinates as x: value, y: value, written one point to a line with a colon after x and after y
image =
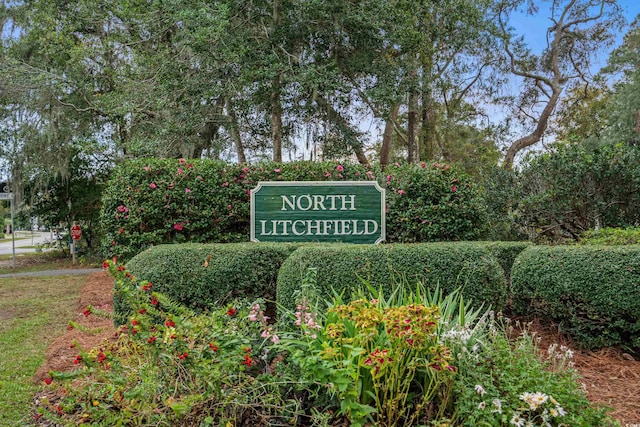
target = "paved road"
x: 24, y: 238
x: 53, y: 272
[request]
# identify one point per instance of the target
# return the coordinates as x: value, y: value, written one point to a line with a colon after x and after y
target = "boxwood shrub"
x: 449, y: 265
x: 149, y: 202
x: 506, y: 253
x: 592, y: 292
x: 201, y: 276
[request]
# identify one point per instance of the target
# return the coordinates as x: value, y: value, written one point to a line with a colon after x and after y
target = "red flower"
x: 178, y: 227
x: 121, y: 268
x: 142, y: 311
x: 48, y: 381
x: 69, y: 327
x: 87, y: 312
x: 213, y: 346
x: 183, y: 356
x: 147, y: 287
x: 134, y: 322
x: 231, y: 312
x: 169, y: 323
x: 121, y: 230
x: 154, y: 301
x: 78, y: 359
x: 248, y: 361
x: 151, y: 340
x: 105, y: 264
x: 134, y: 331
x: 101, y: 357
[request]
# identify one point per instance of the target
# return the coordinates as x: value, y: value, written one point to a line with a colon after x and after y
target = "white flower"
x: 517, y: 421
x: 561, y: 411
x: 539, y: 398
x: 497, y: 406
x: 480, y: 390
x: 482, y: 405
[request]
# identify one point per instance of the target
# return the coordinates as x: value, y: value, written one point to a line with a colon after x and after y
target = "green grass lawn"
x: 33, y: 312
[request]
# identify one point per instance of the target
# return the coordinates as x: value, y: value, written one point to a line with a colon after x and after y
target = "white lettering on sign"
x: 316, y: 202
x: 318, y: 227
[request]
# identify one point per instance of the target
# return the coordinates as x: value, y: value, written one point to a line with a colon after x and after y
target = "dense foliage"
x: 154, y: 201
x: 406, y: 357
x: 611, y: 236
x: 341, y: 269
x: 590, y: 291
x: 560, y: 194
x: 203, y: 276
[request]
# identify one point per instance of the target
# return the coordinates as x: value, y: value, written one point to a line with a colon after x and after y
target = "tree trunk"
x: 412, y: 128
x: 428, y: 131
x: 234, y: 130
x: 276, y: 119
x: 334, y: 117
x: 387, y: 136
x: 536, y: 135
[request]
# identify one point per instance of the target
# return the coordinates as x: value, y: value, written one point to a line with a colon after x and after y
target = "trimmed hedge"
x: 201, y: 276
x: 449, y: 265
x: 506, y: 253
x: 592, y: 292
x: 156, y: 201
x: 611, y: 236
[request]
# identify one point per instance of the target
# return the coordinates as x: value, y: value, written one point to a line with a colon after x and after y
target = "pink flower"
x: 180, y: 171
x: 153, y: 185
x: 123, y: 208
x: 245, y: 169
x: 340, y: 168
x: 182, y: 161
x: 186, y: 190
x: 454, y: 188
x: 225, y: 184
x: 327, y: 174
x: 396, y: 164
x: 401, y: 192
x: 178, y: 227
x: 229, y: 207
x: 147, y: 168
x: 278, y: 170
x: 388, y: 178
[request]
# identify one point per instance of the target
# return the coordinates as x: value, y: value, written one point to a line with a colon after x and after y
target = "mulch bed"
x: 610, y: 376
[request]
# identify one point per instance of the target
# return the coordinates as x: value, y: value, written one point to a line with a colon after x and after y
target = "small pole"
x: 13, y: 234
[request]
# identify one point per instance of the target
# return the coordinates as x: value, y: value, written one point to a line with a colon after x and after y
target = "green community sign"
x: 318, y: 211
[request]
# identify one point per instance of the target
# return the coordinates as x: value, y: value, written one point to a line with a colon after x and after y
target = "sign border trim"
x: 383, y: 227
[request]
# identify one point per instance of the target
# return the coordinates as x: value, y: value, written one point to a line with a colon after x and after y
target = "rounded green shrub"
x: 592, y: 292
x: 202, y: 276
x: 342, y: 268
x: 611, y: 236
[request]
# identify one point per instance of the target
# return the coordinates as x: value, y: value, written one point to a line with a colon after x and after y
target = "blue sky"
x: 533, y: 28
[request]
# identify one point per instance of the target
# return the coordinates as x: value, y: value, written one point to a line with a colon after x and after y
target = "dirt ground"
x: 610, y: 376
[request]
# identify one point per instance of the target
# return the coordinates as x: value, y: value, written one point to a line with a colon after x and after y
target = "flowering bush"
x: 152, y: 201
x: 409, y: 358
